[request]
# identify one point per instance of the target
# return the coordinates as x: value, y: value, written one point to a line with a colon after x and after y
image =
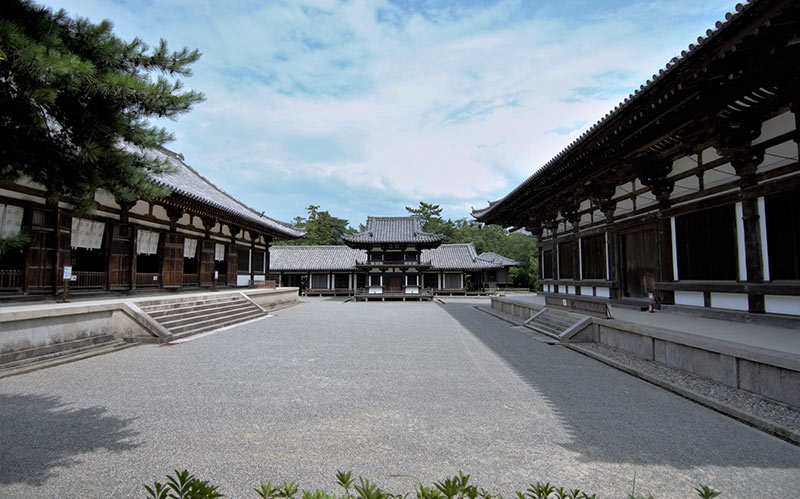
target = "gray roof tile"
x: 456, y: 257
x: 306, y: 258
x: 393, y: 230
x: 343, y: 258
x: 187, y: 182
x: 498, y: 259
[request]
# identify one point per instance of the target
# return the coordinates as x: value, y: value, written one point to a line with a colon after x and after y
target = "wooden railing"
x: 10, y: 279
x: 84, y: 279
x: 144, y: 280
x: 191, y: 279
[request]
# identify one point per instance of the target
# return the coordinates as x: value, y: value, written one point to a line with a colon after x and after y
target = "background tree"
x: 321, y: 228
x: 519, y: 246
x: 75, y: 102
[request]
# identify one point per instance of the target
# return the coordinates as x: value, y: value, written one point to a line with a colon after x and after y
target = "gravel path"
x: 377, y: 388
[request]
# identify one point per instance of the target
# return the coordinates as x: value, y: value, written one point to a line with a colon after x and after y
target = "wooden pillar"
x: 56, y: 277
x: 253, y: 237
x: 665, y: 259
x: 735, y: 143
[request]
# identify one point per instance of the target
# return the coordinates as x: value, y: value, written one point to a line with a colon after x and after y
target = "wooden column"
x: 735, y: 141
x: 664, y: 242
x: 253, y: 237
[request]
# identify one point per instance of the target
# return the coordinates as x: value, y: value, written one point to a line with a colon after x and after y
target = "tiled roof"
x: 187, y: 182
x: 500, y: 260
x: 456, y: 257
x: 304, y: 258
x: 343, y: 258
x: 393, y: 230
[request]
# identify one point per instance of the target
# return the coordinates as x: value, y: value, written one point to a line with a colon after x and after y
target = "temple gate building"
x: 392, y: 257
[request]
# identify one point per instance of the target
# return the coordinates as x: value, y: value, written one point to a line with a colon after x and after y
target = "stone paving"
x: 381, y: 389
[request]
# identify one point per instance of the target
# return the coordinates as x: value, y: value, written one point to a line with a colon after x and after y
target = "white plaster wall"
x: 780, y: 304
x: 686, y: 186
x: 779, y: 155
x: 160, y: 212
x: 242, y: 280
x: 140, y: 208
x: 570, y: 290
x: 682, y: 165
x: 721, y: 174
x: 103, y: 198
x: 776, y: 126
x: 693, y: 298
x: 624, y: 207
x: 733, y: 301
x: 709, y: 155
x: 601, y: 291
x: 412, y: 290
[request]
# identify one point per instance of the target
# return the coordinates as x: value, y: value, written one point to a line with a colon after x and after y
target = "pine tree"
x: 75, y: 102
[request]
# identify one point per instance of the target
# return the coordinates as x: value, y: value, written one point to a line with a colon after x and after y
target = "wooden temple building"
x: 393, y: 257
x: 197, y: 237
x: 689, y: 190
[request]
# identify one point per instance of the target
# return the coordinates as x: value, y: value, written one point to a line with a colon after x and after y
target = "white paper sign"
x: 67, y: 273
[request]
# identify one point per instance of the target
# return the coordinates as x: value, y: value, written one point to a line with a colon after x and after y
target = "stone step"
x: 542, y: 330
x: 198, y: 310
x: 63, y: 357
x: 553, y: 325
x: 170, y: 322
x: 545, y: 327
x: 165, y: 307
x: 218, y: 322
x: 562, y: 320
x: 217, y: 325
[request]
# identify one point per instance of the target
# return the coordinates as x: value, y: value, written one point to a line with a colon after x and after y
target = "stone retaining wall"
x: 42, y: 329
x: 772, y: 374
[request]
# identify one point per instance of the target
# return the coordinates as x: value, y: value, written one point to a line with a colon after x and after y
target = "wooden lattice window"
x: 706, y: 244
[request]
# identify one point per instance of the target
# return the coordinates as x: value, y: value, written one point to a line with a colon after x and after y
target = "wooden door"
x: 341, y: 281
x: 394, y: 284
x: 207, y: 263
x: 639, y: 262
x: 233, y: 264
x: 40, y: 264
x: 172, y: 260
x: 120, y: 257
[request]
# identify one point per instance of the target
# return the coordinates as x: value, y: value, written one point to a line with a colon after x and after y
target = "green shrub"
x: 184, y: 485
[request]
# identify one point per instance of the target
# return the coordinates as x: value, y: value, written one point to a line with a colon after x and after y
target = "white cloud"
x: 452, y: 105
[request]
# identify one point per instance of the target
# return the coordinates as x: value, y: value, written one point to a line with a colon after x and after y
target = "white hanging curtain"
x: 219, y: 252
x: 147, y: 243
x: 10, y: 220
x: 87, y: 233
x: 189, y: 248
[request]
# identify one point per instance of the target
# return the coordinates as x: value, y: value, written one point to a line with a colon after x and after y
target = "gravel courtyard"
x: 381, y: 389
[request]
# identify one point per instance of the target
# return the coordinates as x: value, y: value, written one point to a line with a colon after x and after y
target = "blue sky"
x: 365, y: 107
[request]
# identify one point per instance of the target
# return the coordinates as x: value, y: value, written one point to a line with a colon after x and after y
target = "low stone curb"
x: 770, y: 427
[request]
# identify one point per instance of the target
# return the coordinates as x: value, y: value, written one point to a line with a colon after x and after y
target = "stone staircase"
x: 20, y: 362
x: 182, y: 317
x: 551, y: 322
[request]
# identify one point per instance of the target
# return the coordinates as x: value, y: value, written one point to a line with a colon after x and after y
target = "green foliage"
x: 185, y: 486
x: 17, y: 241
x: 321, y: 228
x: 516, y: 245
x: 73, y: 95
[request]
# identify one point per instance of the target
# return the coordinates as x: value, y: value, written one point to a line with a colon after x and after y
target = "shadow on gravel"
x: 41, y: 433
x: 614, y: 417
